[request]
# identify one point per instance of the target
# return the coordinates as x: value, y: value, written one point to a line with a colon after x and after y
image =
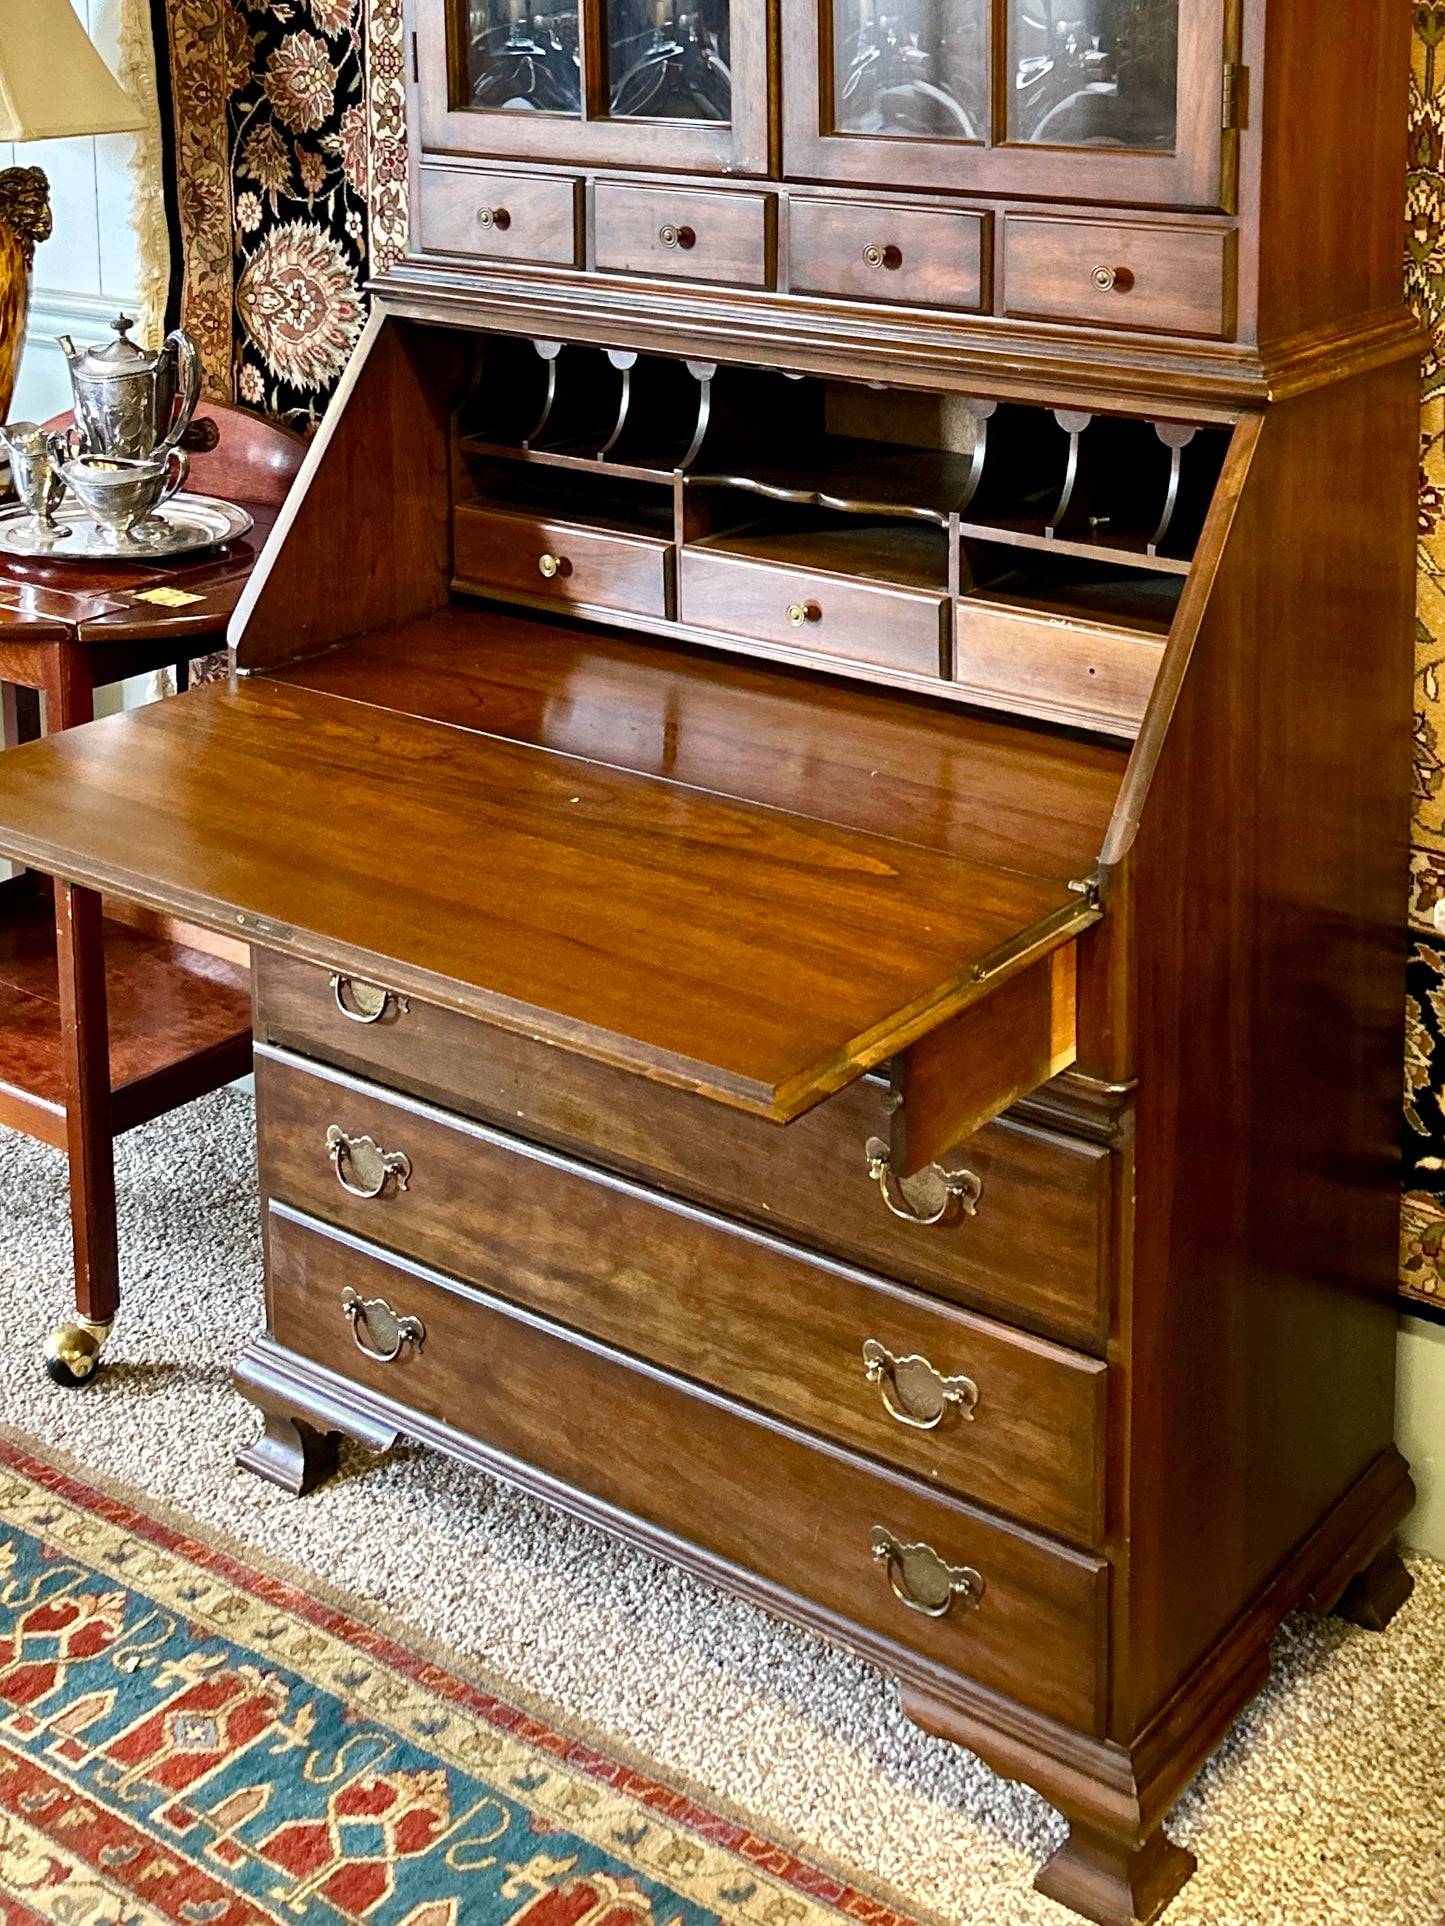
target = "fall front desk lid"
x: 761, y: 957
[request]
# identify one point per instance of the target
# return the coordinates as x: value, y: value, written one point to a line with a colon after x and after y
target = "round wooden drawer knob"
x: 1112, y: 280
x: 550, y: 565
x: 801, y: 613
x: 671, y: 236
x: 875, y: 256
x: 493, y: 217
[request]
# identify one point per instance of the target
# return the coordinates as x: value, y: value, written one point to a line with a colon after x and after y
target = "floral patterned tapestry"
x: 289, y: 182
x: 290, y: 188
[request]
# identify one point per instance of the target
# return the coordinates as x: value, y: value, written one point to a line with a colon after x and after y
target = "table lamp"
x: 53, y: 84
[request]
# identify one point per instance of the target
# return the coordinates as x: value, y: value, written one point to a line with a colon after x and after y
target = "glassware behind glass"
x: 911, y: 67
x: 669, y: 60
x: 523, y: 55
x: 1094, y: 73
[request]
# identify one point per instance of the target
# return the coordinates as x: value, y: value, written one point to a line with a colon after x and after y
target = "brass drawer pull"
x: 380, y: 1332
x: 1112, y: 280
x: 801, y: 613
x: 494, y: 217
x: 363, y: 1002
x: 920, y: 1579
x: 671, y: 236
x: 372, y: 1166
x: 552, y: 565
x: 930, y: 1195
x: 882, y: 257
x: 914, y: 1392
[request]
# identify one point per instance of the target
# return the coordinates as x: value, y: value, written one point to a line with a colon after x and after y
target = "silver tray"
x: 185, y: 525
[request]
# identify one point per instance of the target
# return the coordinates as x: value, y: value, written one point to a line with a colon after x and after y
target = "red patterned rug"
x: 186, y: 1740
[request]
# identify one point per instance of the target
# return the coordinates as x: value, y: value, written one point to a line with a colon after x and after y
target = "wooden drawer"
x: 560, y: 562
x: 1037, y: 1247
x: 798, y: 1513
x: 1080, y: 672
x: 741, y: 1311
x: 505, y: 217
x: 874, y: 251
x: 698, y: 234
x: 807, y: 609
x: 1123, y: 274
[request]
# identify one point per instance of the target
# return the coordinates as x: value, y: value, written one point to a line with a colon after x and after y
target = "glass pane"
x: 915, y: 67
x: 522, y: 55
x: 668, y: 59
x: 1094, y: 73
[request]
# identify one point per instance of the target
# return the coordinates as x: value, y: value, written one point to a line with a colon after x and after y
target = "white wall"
x: 88, y: 270
x: 1420, y: 1428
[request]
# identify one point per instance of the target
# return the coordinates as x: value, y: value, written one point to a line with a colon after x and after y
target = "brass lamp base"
x: 24, y: 221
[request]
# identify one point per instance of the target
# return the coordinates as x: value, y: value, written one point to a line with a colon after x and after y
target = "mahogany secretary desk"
x: 818, y: 778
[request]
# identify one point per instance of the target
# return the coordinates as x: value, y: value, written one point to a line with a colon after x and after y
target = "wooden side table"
x: 110, y: 1015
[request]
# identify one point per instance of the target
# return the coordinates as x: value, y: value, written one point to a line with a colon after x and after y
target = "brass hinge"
x: 1234, y: 106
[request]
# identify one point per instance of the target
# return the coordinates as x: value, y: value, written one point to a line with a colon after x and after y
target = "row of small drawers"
x: 1090, y: 669
x: 1154, y: 276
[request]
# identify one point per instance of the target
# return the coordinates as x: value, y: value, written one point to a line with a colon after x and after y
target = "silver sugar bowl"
x: 126, y: 399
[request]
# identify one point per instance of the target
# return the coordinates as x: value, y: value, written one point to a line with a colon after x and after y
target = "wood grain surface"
x: 763, y: 957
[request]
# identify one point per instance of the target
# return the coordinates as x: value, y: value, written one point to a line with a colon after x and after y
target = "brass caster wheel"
x: 72, y: 1353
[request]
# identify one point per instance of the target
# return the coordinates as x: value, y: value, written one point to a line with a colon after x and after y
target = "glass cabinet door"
x: 1108, y: 100
x: 641, y: 83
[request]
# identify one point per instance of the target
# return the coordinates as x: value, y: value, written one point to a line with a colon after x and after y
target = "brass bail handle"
x: 363, y: 1002
x: 930, y: 1196
x: 372, y: 1167
x: 914, y: 1391
x: 379, y: 1331
x: 923, y: 1581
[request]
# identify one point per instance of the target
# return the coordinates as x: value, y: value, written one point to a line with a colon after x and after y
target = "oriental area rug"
x: 187, y: 1739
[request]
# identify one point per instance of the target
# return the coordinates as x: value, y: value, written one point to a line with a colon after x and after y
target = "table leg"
x: 72, y: 1353
x: 69, y: 691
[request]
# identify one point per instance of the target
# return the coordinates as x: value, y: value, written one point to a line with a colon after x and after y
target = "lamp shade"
x: 52, y: 80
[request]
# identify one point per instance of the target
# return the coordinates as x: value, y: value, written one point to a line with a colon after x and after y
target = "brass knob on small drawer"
x: 671, y: 236
x: 1112, y: 280
x: 380, y: 1332
x: 371, y: 1167
x: 930, y: 1196
x: 363, y: 1002
x: 801, y: 613
x: 552, y: 565
x: 914, y: 1392
x: 875, y: 256
x: 494, y: 217
x: 923, y: 1581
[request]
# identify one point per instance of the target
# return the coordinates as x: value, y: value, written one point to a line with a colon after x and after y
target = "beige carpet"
x: 1325, y: 1808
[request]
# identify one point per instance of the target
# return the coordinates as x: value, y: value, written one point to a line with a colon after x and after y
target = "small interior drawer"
x: 877, y: 251
x: 812, y: 611
x: 700, y: 236
x: 560, y: 562
x: 1079, y: 672
x: 757, y: 1494
x: 509, y: 217
x: 1122, y: 274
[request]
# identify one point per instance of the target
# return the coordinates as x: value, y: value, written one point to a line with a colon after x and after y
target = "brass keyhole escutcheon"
x: 801, y: 613
x: 494, y: 217
x: 915, y: 1392
x: 552, y: 565
x: 923, y: 1581
x: 876, y: 256
x: 671, y: 236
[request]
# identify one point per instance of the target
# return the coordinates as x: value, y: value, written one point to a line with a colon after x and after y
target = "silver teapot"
x: 126, y: 399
